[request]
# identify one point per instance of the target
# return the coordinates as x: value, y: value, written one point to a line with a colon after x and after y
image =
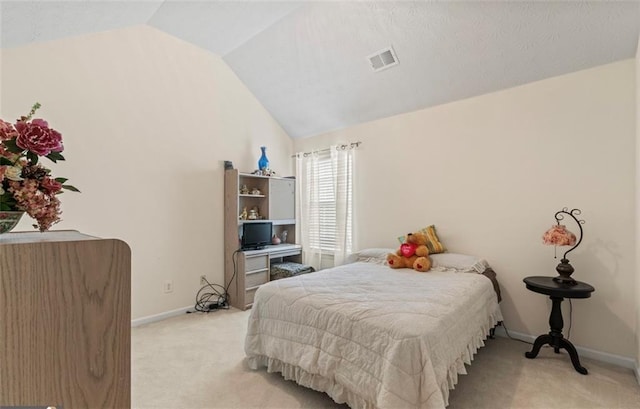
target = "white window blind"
x: 331, y: 198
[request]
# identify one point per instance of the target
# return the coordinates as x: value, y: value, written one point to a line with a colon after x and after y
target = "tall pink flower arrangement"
x: 25, y: 184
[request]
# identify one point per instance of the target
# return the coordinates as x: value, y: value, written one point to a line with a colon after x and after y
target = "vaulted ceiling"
x: 307, y: 61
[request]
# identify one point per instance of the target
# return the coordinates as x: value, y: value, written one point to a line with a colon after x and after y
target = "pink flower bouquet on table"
x: 26, y: 185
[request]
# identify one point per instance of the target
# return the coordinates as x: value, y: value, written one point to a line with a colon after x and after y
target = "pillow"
x: 433, y: 242
x: 458, y: 262
x: 372, y: 255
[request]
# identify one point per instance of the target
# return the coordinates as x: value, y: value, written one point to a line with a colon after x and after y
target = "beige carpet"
x: 197, y: 361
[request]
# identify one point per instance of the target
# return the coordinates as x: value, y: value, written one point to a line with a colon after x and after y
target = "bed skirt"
x: 312, y: 381
x: 340, y: 394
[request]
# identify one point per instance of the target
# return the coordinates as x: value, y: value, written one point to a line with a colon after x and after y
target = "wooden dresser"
x: 65, y: 320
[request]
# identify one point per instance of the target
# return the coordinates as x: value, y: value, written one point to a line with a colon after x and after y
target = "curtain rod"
x: 342, y: 147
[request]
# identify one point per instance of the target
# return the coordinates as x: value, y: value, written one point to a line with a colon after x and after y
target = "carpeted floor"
x: 197, y: 361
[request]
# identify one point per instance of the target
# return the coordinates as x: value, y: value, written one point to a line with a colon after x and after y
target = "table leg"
x: 556, y: 323
x: 539, y: 342
x: 555, y: 339
x: 573, y: 354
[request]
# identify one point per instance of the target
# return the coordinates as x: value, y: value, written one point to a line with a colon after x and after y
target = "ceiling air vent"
x: 383, y: 59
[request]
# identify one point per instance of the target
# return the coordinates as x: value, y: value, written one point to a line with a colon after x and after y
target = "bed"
x: 375, y: 337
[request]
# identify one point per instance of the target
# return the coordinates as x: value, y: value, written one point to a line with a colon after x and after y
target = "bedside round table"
x: 557, y: 292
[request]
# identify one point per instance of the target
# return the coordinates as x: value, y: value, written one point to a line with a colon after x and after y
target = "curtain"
x: 324, y: 193
x: 342, y: 163
x: 307, y: 192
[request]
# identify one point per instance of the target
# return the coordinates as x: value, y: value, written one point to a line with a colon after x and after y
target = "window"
x: 330, y: 205
x: 324, y: 192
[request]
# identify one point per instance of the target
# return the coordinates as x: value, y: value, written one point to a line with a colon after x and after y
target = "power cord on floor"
x: 509, y: 335
x: 212, y: 300
x: 570, y: 319
x: 218, y: 296
x: 531, y: 343
x: 235, y: 270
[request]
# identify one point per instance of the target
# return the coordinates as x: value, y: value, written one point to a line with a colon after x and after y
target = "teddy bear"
x: 413, y: 253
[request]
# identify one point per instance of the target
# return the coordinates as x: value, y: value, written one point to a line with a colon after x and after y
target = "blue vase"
x: 263, y: 162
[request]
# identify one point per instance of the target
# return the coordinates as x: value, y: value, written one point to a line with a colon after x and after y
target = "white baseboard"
x: 159, y: 317
x: 637, y: 372
x: 618, y: 360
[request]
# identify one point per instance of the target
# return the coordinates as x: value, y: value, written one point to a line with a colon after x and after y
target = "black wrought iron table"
x: 557, y: 292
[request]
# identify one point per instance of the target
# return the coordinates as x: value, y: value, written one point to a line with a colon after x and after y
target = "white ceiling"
x: 306, y: 61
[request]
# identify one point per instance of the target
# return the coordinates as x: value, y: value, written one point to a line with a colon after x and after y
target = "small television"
x: 256, y: 235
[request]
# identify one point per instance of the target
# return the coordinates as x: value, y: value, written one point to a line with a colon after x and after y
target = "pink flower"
x: 41, y: 206
x: 51, y: 186
x: 37, y: 137
x: 7, y: 131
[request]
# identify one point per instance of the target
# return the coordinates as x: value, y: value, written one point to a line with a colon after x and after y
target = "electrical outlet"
x: 168, y: 286
x: 203, y: 280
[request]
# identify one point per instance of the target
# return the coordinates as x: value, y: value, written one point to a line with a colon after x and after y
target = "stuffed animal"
x: 413, y: 253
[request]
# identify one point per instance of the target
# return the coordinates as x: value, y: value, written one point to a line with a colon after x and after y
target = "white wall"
x: 491, y: 171
x: 147, y: 120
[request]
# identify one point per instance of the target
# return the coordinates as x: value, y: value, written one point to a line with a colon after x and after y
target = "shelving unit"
x: 275, y: 203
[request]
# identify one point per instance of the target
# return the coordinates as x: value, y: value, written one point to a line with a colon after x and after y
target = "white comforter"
x: 371, y: 336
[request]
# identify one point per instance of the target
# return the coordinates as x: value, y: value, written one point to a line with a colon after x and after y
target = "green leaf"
x: 5, y: 162
x: 12, y: 146
x: 55, y: 156
x: 71, y: 188
x: 33, y: 158
x: 34, y: 108
x: 7, y: 202
x: 61, y: 180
